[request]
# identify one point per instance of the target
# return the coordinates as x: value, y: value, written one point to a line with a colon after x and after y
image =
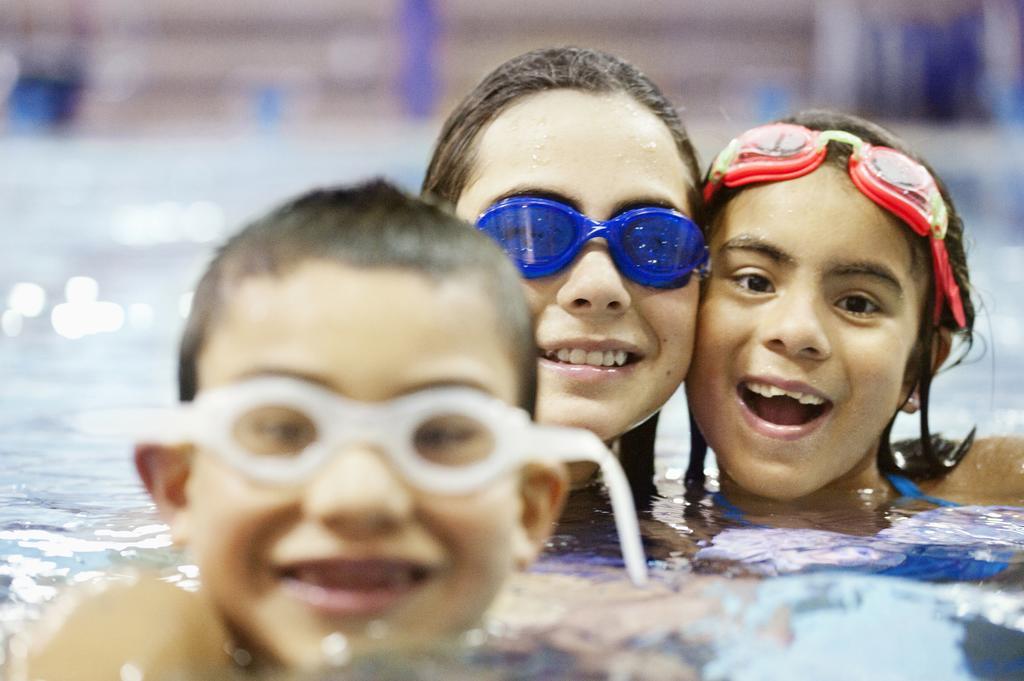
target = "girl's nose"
x: 594, y: 286
x: 795, y: 327
x: 359, y: 494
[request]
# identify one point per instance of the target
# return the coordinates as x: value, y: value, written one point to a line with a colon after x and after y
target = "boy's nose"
x: 359, y: 494
x: 594, y: 286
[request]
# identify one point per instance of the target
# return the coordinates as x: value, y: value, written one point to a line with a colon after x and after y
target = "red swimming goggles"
x: 894, y: 181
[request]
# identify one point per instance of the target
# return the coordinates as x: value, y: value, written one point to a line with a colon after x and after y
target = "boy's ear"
x: 165, y: 471
x: 543, y: 488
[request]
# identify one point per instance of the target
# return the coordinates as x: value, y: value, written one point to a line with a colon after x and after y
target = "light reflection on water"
x: 131, y: 225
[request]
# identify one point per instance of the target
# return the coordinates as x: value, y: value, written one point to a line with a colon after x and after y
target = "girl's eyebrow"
x: 876, y: 271
x: 644, y: 202
x: 749, y: 242
x: 574, y: 202
x: 537, y: 192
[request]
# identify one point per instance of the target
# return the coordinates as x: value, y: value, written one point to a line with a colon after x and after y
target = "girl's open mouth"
x: 781, y: 407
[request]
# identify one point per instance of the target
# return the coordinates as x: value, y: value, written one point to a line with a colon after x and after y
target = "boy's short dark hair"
x: 370, y: 225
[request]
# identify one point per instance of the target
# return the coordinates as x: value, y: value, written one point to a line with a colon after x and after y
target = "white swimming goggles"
x: 450, y: 440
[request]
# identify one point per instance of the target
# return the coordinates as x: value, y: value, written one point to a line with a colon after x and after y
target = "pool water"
x: 104, y: 239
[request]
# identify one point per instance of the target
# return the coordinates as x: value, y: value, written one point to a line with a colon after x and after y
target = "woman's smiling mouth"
x: 593, y: 358
x: 787, y: 411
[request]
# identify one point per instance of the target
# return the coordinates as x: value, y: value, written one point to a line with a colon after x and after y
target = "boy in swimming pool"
x: 353, y: 465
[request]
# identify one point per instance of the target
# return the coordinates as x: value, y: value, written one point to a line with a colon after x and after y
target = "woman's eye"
x: 858, y: 305
x: 755, y: 283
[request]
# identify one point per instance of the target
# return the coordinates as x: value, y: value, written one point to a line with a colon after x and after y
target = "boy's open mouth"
x: 604, y: 359
x: 353, y: 587
x: 782, y: 407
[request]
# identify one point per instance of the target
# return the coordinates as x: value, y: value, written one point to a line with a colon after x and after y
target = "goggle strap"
x: 940, y: 216
x: 826, y: 136
x: 723, y: 161
x: 571, y: 444
x: 946, y: 289
x: 756, y: 175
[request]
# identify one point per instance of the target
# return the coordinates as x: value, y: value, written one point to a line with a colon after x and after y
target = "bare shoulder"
x: 991, y: 472
x: 92, y: 631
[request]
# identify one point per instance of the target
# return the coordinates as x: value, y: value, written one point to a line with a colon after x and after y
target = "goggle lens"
x: 274, y: 431
x: 653, y: 246
x: 662, y: 248
x: 283, y: 432
x: 532, y: 234
x: 778, y: 141
x: 453, y: 440
x: 895, y: 169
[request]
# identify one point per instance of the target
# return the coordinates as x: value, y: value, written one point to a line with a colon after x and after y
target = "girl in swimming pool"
x: 581, y: 168
x: 839, y: 283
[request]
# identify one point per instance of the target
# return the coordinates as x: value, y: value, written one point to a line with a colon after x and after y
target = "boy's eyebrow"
x: 875, y: 270
x: 445, y: 383
x: 749, y: 242
x: 289, y: 373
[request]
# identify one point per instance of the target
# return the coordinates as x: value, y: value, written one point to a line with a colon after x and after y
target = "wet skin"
x: 356, y: 549
x: 804, y: 336
x: 601, y: 154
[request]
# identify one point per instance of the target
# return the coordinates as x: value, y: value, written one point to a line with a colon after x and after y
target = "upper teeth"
x: 766, y: 390
x: 597, y: 358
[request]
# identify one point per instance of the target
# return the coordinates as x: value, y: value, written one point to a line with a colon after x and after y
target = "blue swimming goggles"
x: 653, y: 246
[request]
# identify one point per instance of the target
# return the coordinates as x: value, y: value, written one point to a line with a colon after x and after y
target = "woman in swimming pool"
x: 839, y: 283
x: 581, y: 168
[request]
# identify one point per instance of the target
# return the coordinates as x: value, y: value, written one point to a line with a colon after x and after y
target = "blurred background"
x: 134, y: 136
x: 124, y: 66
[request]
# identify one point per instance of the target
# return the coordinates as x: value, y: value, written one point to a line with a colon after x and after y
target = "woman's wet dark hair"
x: 555, y: 68
x: 369, y: 226
x: 929, y: 457
x: 543, y: 70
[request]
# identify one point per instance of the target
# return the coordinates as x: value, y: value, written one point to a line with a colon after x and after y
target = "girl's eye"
x: 858, y: 305
x: 755, y: 283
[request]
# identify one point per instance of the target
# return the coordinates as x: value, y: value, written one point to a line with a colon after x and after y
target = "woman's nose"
x: 795, y: 327
x: 359, y: 494
x: 594, y: 286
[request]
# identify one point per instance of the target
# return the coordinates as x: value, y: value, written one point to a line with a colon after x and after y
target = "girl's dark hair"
x: 926, y: 458
x: 372, y: 225
x: 555, y: 68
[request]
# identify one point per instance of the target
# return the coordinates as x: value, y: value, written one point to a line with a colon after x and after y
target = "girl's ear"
x: 542, y: 489
x: 942, y: 344
x: 913, y: 403
x: 165, y: 471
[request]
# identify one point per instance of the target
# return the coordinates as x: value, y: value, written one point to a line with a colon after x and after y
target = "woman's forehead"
x: 597, y: 148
